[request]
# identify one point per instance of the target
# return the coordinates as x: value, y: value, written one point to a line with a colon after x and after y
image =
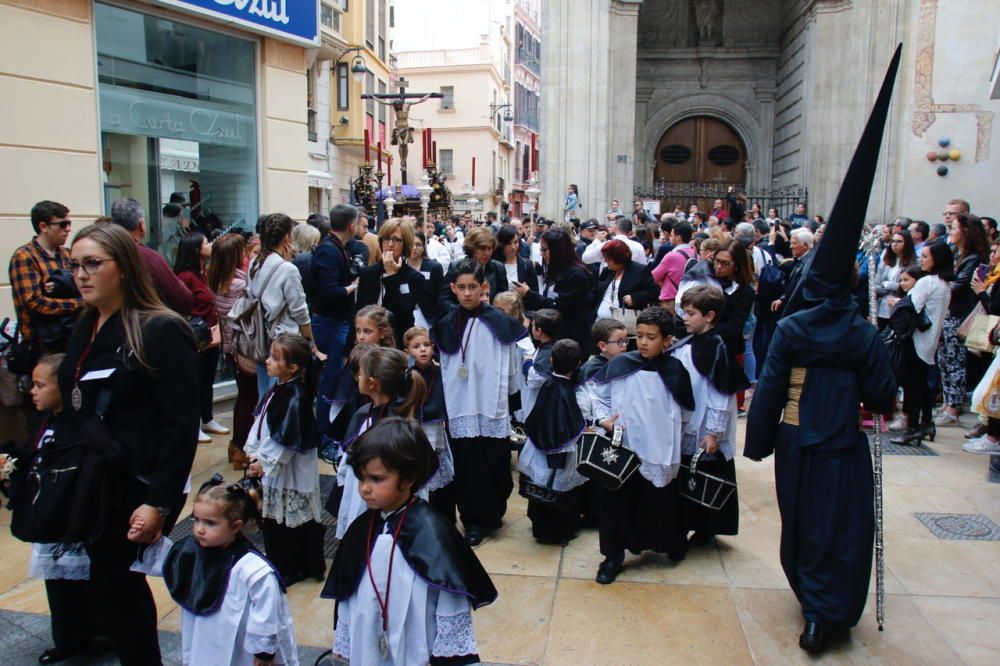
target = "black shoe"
x: 928, y: 431
x: 812, y: 639
x: 608, y: 571
x: 909, y: 437
x: 55, y: 655
x: 473, y: 536
x: 677, y: 555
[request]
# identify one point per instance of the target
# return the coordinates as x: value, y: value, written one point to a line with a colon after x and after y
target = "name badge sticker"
x: 404, y: 288
x: 97, y: 374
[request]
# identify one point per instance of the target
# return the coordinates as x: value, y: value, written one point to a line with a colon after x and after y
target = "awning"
x: 320, y: 179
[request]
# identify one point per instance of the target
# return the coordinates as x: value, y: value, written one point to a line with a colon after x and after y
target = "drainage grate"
x: 960, y: 526
x: 326, y: 484
x: 890, y: 449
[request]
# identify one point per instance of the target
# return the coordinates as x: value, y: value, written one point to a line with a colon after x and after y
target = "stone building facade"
x: 631, y: 85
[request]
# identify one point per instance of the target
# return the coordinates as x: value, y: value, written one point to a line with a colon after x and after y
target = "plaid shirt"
x: 29, y: 268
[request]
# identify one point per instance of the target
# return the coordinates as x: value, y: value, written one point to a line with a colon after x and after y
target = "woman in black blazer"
x: 433, y: 273
x: 479, y: 245
x: 566, y: 287
x: 518, y: 268
x: 132, y: 353
x: 393, y: 284
x: 734, y: 270
x: 624, y: 283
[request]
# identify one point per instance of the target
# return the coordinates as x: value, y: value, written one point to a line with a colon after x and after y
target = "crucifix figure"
x: 402, y: 132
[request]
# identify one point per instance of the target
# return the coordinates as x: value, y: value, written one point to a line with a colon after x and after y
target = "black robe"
x: 823, y: 467
x: 431, y: 546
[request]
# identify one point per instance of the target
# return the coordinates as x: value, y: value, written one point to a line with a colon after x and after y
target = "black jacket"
x: 400, y: 295
x: 433, y: 273
x: 153, y: 412
x: 329, y: 276
x: 637, y: 282
x: 571, y: 294
x: 496, y: 276
x: 739, y: 305
x: 963, y: 299
x: 526, y: 273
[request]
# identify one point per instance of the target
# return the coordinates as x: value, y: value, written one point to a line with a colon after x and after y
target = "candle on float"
x: 434, y: 151
x: 423, y: 146
x: 368, y: 158
x: 379, y: 155
x: 431, y: 155
x: 388, y: 168
x: 534, y: 153
x: 473, y: 174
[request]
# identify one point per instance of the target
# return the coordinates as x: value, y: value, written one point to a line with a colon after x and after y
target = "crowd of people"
x: 415, y: 357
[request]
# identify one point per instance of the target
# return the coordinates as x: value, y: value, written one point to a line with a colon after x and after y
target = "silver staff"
x: 872, y: 246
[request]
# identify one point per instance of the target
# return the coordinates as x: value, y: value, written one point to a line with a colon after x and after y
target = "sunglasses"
x: 62, y: 224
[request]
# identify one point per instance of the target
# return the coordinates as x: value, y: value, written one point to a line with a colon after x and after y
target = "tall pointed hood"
x: 827, y: 274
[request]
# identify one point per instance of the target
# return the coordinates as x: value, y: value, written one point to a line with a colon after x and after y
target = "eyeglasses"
x: 723, y: 262
x: 621, y: 343
x: 394, y: 239
x: 90, y: 265
x: 62, y: 224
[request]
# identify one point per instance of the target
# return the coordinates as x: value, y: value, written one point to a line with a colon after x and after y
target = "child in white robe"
x: 384, y: 377
x: 549, y: 456
x: 546, y: 328
x: 711, y: 427
x: 234, y: 609
x: 479, y: 365
x: 404, y: 581
x: 432, y: 414
x: 282, y: 448
x: 649, y: 393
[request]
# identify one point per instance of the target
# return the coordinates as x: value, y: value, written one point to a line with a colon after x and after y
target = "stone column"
x: 588, y: 112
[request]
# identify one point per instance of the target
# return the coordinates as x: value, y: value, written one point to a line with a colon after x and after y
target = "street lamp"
x: 507, y: 116
x: 358, y: 65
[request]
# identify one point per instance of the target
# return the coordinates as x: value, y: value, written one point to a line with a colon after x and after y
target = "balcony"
x: 499, y: 187
x: 529, y: 120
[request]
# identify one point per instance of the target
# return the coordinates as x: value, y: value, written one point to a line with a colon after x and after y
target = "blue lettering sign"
x: 290, y: 20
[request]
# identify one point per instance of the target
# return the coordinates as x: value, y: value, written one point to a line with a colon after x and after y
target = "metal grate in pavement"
x: 960, y: 526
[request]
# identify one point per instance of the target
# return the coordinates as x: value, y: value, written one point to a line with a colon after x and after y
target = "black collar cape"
x: 432, y: 547
x: 673, y: 373
x: 197, y: 577
x: 556, y: 419
x: 712, y: 361
x: 447, y: 333
x: 290, y: 417
x: 593, y: 365
x: 433, y: 408
x: 542, y: 362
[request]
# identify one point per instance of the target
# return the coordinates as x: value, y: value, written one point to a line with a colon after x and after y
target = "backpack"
x: 249, y: 325
x: 770, y: 285
x: 68, y: 493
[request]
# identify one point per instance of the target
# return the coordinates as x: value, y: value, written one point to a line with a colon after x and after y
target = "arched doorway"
x: 698, y: 159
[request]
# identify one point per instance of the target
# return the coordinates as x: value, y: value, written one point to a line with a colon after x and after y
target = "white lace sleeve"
x: 272, y: 455
x: 342, y: 640
x: 454, y: 636
x: 716, y: 421
x: 264, y: 621
x: 513, y: 369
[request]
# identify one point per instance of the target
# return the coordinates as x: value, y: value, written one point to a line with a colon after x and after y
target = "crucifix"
x: 402, y: 132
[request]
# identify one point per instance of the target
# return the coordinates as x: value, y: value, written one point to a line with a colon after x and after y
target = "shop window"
x: 447, y: 97
x: 178, y: 117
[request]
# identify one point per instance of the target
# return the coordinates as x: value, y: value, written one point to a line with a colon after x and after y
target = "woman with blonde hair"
x: 131, y: 368
x: 393, y: 283
x: 479, y: 245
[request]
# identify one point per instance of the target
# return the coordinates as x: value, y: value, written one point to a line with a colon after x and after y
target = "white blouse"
x: 932, y: 294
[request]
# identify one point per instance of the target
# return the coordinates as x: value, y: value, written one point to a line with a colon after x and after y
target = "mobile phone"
x: 981, y: 271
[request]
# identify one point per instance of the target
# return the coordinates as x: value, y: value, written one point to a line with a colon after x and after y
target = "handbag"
x: 963, y: 329
x: 543, y: 494
x: 978, y: 338
x: 68, y: 493
x: 989, y: 404
x: 628, y: 317
x: 707, y: 490
x: 606, y: 460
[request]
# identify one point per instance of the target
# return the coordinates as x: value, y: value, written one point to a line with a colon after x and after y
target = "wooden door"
x: 700, y: 150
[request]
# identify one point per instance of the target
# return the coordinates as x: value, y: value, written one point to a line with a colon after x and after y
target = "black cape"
x: 351, y: 434
x: 594, y: 364
x: 197, y: 577
x: 672, y: 372
x: 432, y: 547
x: 290, y: 418
x: 542, y: 363
x: 556, y: 418
x: 713, y: 361
x: 433, y: 408
x: 447, y: 333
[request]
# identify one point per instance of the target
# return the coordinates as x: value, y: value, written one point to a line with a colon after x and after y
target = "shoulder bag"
x: 606, y: 460
x: 707, y: 490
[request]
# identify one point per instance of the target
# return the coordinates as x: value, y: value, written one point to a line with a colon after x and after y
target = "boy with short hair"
x: 548, y: 458
x: 649, y: 391
x: 546, y: 328
x: 715, y: 380
x: 611, y: 339
x: 479, y: 365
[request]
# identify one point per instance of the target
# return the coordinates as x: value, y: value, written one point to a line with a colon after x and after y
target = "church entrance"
x: 699, y: 156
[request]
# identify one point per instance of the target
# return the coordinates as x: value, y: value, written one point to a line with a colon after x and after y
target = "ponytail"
x: 416, y: 393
